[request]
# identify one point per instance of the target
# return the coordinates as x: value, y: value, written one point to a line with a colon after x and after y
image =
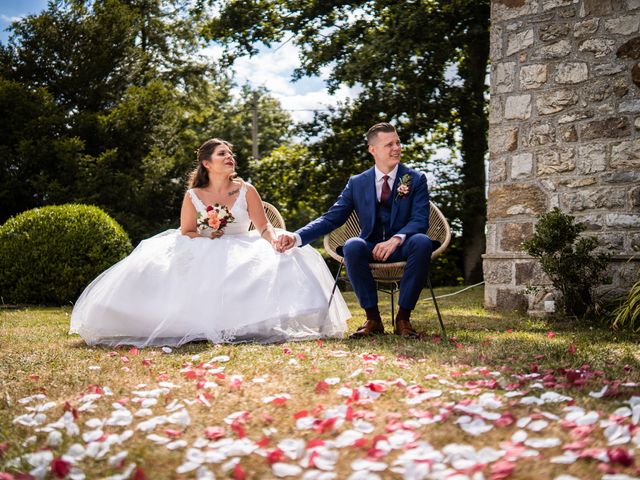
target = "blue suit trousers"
x: 415, y: 250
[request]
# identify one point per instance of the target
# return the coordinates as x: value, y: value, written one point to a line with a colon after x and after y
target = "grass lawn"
x: 507, y: 396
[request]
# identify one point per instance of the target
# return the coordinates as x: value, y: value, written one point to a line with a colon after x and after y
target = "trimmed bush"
x: 49, y: 254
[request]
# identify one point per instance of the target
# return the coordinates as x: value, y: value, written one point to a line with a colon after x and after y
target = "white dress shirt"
x: 392, y: 177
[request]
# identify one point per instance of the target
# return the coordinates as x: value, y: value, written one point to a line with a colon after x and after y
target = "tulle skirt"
x: 173, y: 289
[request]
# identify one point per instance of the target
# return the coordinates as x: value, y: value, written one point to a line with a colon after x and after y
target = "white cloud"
x: 273, y: 69
x: 8, y: 19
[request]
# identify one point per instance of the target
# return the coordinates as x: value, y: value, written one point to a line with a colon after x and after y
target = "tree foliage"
x: 107, y: 101
x: 421, y: 65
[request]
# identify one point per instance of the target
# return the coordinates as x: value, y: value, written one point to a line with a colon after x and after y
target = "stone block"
x: 623, y: 220
x: 596, y: 8
x: 519, y: 41
x: 553, y: 32
x: 612, y: 242
x: 540, y: 133
x: 579, y: 183
x: 636, y: 123
x: 568, y: 133
x: 592, y: 158
x: 635, y: 74
x: 593, y: 199
x: 620, y: 87
x: 521, y: 165
x: 566, y: 12
x: 511, y: 300
x: 630, y: 106
x: 615, y: 127
x: 550, y: 4
x: 587, y: 27
x: 633, y: 4
x: 495, y: 110
x: 550, y: 162
x: 556, y: 101
x: 593, y: 221
x: 558, y: 49
x: 626, y: 155
x: 625, y: 25
x: 503, y: 77
x: 497, y: 170
x: 496, y: 42
x: 574, y: 72
x: 629, y: 49
x: 509, y: 9
x: 499, y: 272
x: 503, y: 139
x: 530, y: 272
x: 600, y: 47
x: 621, y: 176
x: 491, y: 234
x: 597, y: 90
x: 606, y: 69
x: 517, y: 107
x: 635, y: 242
x: 575, y: 116
x: 515, y: 199
x: 533, y: 76
x: 513, y: 234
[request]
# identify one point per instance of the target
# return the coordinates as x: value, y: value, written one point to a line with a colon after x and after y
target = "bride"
x: 212, y: 279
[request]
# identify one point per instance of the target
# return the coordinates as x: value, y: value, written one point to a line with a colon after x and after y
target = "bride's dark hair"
x: 199, y: 177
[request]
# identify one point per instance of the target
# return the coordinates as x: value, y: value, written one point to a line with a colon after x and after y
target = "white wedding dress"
x: 173, y: 289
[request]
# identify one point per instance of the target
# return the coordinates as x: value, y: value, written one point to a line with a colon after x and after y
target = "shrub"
x: 568, y: 260
x: 49, y: 254
x: 627, y: 314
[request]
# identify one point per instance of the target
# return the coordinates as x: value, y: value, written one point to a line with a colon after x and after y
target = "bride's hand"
x: 217, y: 234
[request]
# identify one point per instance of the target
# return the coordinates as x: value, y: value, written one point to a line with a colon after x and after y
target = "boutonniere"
x: 404, y: 187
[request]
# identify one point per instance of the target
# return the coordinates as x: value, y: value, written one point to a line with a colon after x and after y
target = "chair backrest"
x: 439, y: 230
x: 273, y: 215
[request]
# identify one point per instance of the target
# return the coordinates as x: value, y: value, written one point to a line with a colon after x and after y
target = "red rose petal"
x: 60, y: 468
x: 213, y: 433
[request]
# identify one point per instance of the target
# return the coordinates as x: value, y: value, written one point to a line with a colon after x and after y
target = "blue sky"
x: 271, y: 68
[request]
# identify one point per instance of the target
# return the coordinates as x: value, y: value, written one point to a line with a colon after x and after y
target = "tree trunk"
x: 474, y: 127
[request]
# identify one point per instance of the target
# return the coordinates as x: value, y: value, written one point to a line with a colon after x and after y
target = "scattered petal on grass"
x: 282, y: 470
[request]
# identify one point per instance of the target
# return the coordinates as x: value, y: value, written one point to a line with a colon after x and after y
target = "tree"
x: 419, y: 64
x: 107, y: 101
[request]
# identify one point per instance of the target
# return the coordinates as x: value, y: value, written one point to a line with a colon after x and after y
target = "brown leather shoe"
x: 370, y: 328
x: 404, y: 329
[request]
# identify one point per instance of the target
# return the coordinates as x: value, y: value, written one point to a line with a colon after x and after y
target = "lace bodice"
x: 239, y: 212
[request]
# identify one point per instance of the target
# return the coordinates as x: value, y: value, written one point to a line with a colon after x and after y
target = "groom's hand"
x: 382, y: 251
x: 285, y: 242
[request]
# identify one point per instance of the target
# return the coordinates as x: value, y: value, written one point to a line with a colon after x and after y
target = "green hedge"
x: 49, y: 254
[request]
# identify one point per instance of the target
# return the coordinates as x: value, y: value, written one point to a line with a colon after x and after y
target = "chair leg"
x: 335, y: 284
x: 393, y: 310
x: 435, y: 302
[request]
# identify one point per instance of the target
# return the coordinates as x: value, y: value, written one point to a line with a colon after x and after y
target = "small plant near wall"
x: 627, y: 314
x: 568, y: 259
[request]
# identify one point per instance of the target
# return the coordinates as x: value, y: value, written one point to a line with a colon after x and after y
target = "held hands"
x: 285, y: 242
x: 216, y: 234
x: 382, y: 251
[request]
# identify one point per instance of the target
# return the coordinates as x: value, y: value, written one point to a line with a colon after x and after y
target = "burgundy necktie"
x: 386, y: 191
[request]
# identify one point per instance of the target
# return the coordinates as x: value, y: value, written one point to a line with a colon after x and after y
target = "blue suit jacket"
x: 409, y: 213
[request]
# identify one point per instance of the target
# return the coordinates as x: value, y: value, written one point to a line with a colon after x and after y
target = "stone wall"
x: 564, y: 131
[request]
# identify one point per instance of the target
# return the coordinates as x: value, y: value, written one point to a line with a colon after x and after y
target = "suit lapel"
x: 395, y: 204
x: 370, y: 199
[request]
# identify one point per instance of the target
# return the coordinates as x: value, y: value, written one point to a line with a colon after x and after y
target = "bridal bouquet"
x: 215, y: 218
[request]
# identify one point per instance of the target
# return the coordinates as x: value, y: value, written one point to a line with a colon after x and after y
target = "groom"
x: 392, y: 203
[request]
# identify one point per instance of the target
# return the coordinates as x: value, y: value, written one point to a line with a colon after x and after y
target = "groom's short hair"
x: 377, y: 128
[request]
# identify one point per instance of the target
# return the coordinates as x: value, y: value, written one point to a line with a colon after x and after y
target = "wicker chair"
x: 273, y: 215
x: 389, y: 274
